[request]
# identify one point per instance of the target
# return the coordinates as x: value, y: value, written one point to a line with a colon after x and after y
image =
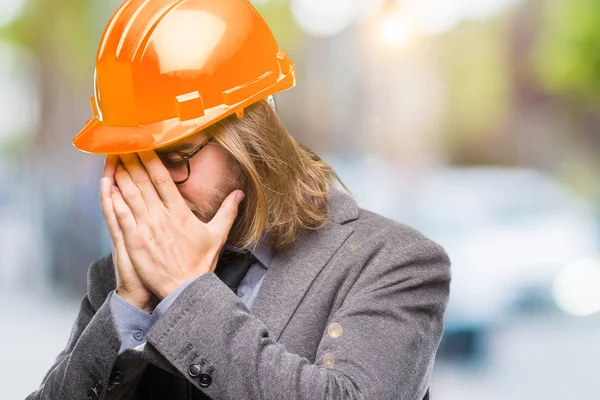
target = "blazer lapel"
x: 291, y: 272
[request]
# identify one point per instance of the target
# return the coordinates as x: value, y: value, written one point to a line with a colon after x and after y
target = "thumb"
x: 224, y: 218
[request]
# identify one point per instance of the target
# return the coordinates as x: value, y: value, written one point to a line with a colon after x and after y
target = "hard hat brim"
x: 99, y: 138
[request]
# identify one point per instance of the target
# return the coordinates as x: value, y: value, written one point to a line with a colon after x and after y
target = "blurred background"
x: 477, y: 122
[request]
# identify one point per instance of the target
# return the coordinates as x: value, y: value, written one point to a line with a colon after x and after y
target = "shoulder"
x: 373, y: 228
x: 385, y: 243
x: 395, y: 238
x: 100, y: 280
x: 399, y: 260
x: 370, y: 222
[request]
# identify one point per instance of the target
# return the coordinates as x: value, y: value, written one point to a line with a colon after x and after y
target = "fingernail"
x: 239, y: 197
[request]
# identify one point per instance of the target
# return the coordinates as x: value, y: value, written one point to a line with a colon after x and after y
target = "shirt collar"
x: 262, y: 251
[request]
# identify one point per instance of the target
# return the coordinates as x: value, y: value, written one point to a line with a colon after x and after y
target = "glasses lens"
x: 176, y: 165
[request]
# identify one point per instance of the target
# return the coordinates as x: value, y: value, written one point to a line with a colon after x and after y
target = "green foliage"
x: 66, y: 32
x: 279, y: 17
x: 568, y: 53
x: 477, y: 76
x: 20, y: 31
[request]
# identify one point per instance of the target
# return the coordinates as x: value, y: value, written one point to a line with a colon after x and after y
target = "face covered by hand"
x: 165, y: 241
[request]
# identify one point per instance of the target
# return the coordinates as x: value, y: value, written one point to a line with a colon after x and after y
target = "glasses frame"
x: 186, y: 156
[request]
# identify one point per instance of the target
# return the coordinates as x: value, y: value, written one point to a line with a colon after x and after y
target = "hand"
x: 166, y: 242
x: 129, y: 284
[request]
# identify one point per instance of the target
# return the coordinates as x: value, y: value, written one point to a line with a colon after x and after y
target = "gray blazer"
x: 353, y: 310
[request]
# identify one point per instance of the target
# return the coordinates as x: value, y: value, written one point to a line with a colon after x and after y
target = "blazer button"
x: 205, y: 380
x: 115, y: 379
x: 194, y: 370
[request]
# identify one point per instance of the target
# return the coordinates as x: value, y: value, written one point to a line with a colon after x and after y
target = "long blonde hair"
x: 286, y: 184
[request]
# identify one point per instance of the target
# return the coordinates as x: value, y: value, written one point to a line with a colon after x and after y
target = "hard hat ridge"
x: 166, y: 69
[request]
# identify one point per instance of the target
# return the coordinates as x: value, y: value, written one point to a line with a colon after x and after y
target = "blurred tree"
x: 476, y: 65
x: 568, y: 53
x: 279, y: 17
x: 566, y: 60
x: 63, y: 36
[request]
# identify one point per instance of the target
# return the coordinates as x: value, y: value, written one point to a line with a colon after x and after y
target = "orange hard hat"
x: 166, y: 69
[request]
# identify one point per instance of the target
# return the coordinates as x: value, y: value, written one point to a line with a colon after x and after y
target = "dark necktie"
x: 233, y: 266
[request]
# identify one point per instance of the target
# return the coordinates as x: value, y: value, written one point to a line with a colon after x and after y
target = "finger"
x: 141, y: 179
x: 110, y: 164
x: 161, y: 178
x: 124, y: 269
x: 130, y: 193
x: 110, y: 218
x: 222, y: 222
x: 125, y: 218
x: 107, y: 209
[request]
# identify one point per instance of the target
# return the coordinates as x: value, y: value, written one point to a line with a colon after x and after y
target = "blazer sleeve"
x: 85, y: 368
x: 382, y: 346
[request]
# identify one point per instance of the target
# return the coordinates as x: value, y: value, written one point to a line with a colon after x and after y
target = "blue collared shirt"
x: 134, y: 323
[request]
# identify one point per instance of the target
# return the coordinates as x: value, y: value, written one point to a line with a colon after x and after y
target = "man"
x: 238, y: 271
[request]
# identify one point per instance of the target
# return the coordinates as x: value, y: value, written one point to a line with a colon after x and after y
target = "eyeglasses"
x: 178, y: 162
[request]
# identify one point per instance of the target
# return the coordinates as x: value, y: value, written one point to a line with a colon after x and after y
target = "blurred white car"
x: 509, y: 233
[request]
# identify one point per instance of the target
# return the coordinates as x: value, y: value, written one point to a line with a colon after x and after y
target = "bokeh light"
x: 393, y: 30
x: 323, y: 18
x: 577, y: 288
x: 437, y: 16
